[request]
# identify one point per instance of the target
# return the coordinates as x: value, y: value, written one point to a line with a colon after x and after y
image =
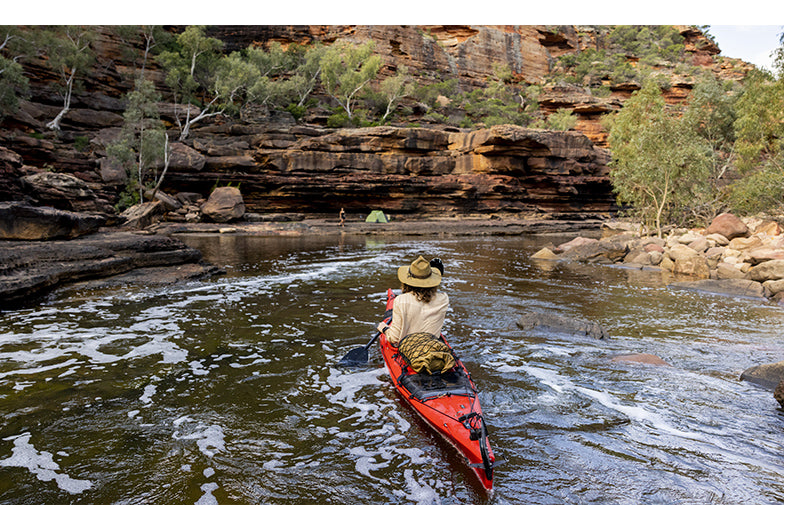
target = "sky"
x: 751, y: 43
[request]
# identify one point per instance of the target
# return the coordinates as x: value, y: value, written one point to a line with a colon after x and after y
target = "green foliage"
x: 346, y: 69
x: 13, y: 83
x: 152, y: 38
x: 759, y: 144
x: 428, y: 93
x: 140, y: 147
x: 561, y: 120
x: 81, y: 143
x: 659, y: 161
x: 192, y: 65
x: 69, y: 54
x: 651, y: 44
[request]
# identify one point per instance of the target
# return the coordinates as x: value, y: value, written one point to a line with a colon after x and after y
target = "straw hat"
x: 420, y: 274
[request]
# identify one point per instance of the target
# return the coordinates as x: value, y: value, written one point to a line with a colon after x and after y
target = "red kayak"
x: 448, y: 402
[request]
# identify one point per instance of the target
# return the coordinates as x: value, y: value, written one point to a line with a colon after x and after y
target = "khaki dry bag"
x: 425, y: 353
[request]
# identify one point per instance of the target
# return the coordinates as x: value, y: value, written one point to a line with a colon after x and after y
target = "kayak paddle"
x: 360, y: 355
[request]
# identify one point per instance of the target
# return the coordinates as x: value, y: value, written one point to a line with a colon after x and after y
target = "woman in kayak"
x: 421, y: 308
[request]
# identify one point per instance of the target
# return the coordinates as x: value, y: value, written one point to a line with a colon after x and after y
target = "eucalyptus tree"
x: 191, y: 74
x: 345, y: 71
x: 143, y: 144
x: 395, y: 88
x: 70, y: 55
x: 149, y: 37
x: 13, y: 83
x: 659, y: 163
x: 759, y: 144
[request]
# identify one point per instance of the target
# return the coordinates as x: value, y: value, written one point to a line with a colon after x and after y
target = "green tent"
x: 377, y: 216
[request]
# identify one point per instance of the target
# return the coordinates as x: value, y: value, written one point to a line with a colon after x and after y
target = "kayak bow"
x: 447, y: 402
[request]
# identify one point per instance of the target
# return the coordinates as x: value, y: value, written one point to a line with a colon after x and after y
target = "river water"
x: 227, y: 391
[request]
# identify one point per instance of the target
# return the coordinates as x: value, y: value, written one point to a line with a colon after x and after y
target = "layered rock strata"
x: 400, y: 170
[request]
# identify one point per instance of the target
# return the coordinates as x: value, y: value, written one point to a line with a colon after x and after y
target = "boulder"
x: 545, y: 254
x: 778, y: 393
x: 225, y: 204
x: 577, y: 241
x: 696, y: 266
x: 768, y: 271
x: 773, y: 287
x: 729, y: 226
x: 21, y: 221
x: 768, y: 375
x: 142, y: 215
x: 643, y: 358
x: 729, y: 271
x: 555, y: 322
x: 62, y: 191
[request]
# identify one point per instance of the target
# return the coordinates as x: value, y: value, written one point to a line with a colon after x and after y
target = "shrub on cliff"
x: 190, y: 72
x: 346, y: 69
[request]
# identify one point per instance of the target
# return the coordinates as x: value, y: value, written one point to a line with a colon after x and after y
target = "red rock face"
x: 283, y: 166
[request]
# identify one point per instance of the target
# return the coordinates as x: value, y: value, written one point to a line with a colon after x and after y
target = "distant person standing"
x: 341, y: 216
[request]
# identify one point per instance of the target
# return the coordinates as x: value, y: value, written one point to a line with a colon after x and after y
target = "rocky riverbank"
x: 732, y: 256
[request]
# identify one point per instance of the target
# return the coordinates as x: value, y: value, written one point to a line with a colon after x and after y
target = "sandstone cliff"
x: 281, y: 165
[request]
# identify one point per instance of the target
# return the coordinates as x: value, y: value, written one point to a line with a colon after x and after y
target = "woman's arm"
x: 394, y: 332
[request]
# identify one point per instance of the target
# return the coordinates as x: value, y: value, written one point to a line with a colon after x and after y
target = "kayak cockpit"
x: 425, y: 386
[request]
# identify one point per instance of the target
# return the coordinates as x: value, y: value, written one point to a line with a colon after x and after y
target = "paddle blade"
x: 356, y: 357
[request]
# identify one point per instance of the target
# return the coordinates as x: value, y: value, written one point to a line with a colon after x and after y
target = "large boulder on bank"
x: 143, y: 215
x: 225, y: 204
x: 21, y: 221
x: 555, y: 322
x: 729, y: 226
x: 771, y: 270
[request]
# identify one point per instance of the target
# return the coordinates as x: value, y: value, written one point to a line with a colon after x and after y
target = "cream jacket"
x: 409, y: 315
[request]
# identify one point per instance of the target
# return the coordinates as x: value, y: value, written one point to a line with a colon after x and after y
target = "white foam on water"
x: 419, y: 491
x: 366, y: 462
x: 208, y: 472
x: 147, y: 396
x: 208, y: 497
x: 636, y: 413
x: 348, y: 385
x: 41, y: 464
x: 210, y: 440
x: 33, y: 371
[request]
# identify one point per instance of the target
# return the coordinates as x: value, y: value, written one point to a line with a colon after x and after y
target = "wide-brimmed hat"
x: 420, y: 274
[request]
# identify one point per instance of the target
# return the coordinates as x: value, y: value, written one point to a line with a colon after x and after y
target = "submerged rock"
x: 643, y: 358
x: 768, y: 375
x: 555, y: 322
x: 731, y: 287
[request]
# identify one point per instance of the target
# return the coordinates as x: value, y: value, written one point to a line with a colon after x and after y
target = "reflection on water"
x: 227, y: 390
